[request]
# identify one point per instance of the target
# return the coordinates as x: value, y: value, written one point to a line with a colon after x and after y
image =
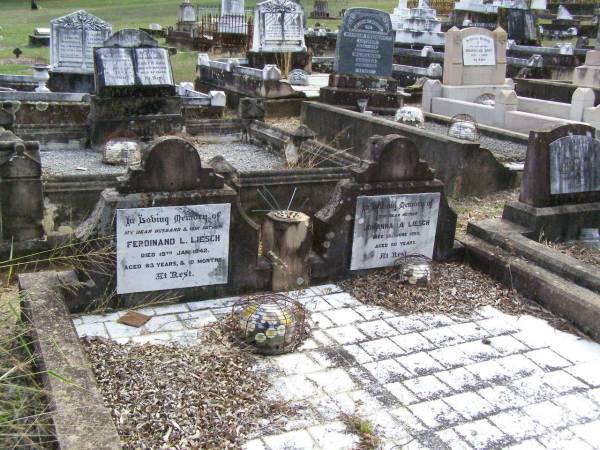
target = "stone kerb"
x: 394, y: 177
x: 475, y: 56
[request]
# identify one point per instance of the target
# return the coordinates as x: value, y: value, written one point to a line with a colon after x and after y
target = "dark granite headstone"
x: 562, y: 166
x: 521, y: 25
x: 365, y: 43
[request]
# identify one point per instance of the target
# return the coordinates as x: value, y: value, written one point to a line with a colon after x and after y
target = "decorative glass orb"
x: 415, y: 270
x: 411, y: 115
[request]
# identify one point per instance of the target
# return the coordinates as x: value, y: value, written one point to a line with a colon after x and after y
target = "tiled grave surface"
x: 425, y: 381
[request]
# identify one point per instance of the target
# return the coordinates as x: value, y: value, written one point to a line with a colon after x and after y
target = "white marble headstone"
x: 478, y: 50
x: 72, y: 41
x: 278, y: 27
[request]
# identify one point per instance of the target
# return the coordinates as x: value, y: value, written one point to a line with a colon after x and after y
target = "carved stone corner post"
x: 21, y: 193
x: 287, y: 240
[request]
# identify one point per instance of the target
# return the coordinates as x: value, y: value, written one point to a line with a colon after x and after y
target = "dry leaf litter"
x: 179, y: 397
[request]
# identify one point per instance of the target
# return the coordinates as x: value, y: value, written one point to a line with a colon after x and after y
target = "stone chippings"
x: 485, y: 379
x: 244, y: 157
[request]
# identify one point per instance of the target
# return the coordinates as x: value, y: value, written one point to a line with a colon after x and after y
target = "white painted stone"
x: 470, y: 405
x: 358, y: 353
x: 507, y: 345
x: 196, y: 319
x: 478, y: 351
x: 427, y: 387
x: 435, y: 413
x: 406, y: 324
x: 343, y: 316
x: 322, y: 321
x: 207, y: 304
x: 340, y: 299
x: 346, y: 335
x: 382, y: 348
x: 161, y: 310
x: 296, y: 363
x: 373, y: 313
x: 481, y: 434
x: 450, y: 357
x: 517, y: 424
x: 459, y: 379
x: 564, y: 440
x: 377, y: 329
x: 587, y: 372
x: 420, y: 364
x: 412, y: 342
x: 333, y: 381
x: 162, y: 323
x: 435, y: 320
x: 299, y: 440
x: 452, y: 440
x: 442, y: 337
x: 549, y: 414
x: 333, y: 436
x: 325, y: 289
x: 547, y: 359
x: 398, y: 390
x: 587, y: 431
x: 118, y: 330
x: 386, y: 371
x: 517, y: 366
x: 92, y: 329
x: 502, y: 397
x: 217, y: 98
x: 489, y: 371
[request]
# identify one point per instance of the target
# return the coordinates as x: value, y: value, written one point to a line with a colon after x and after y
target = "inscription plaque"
x: 388, y: 227
x: 279, y: 26
x: 172, y: 247
x: 574, y: 164
x: 478, y: 50
x: 153, y: 66
x: 116, y: 66
x: 365, y: 43
x: 126, y: 66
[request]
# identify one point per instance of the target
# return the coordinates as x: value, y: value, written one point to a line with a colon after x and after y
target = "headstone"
x: 187, y: 12
x: 475, y: 56
x: 563, y: 13
x: 588, y: 75
x: 73, y: 39
x: 278, y: 27
x: 232, y: 7
x: 521, y: 25
x: 365, y: 43
x: 417, y: 25
x: 562, y: 166
x: 389, y: 227
x: 233, y: 17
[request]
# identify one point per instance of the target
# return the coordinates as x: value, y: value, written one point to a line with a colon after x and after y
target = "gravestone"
x: 278, y: 27
x: 475, y: 56
x: 187, y: 17
x: 562, y: 166
x: 232, y: 7
x: 560, y: 189
x: 391, y: 208
x: 278, y: 36
x: 233, y: 18
x: 520, y: 25
x: 417, y: 25
x: 172, y: 220
x: 134, y: 89
x: 72, y: 42
x: 363, y: 62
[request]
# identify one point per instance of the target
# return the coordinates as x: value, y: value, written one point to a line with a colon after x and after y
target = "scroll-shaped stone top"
x: 18, y: 158
x: 81, y: 20
x: 365, y: 43
x: 129, y: 37
x: 170, y: 164
x: 394, y: 158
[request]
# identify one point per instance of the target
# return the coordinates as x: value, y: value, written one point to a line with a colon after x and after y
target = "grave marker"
x: 72, y: 40
x: 574, y: 164
x: 365, y: 43
x: 278, y: 27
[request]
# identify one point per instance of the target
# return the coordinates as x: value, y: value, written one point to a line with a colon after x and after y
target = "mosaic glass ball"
x: 464, y: 130
x: 269, y: 326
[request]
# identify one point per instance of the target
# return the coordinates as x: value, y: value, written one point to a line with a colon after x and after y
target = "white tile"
x: 532, y: 389
x: 118, y: 330
x: 327, y: 358
x: 333, y: 381
x: 435, y: 413
x: 364, y: 403
x: 562, y: 382
x: 300, y: 293
x: 373, y: 312
x: 581, y: 406
x: 488, y: 371
x: 297, y: 440
x: 587, y: 372
x: 564, y: 440
x: 502, y: 397
x: 507, y: 345
x: 435, y: 320
x: 185, y: 337
x: 92, y: 329
x: 452, y: 440
x: 427, y: 387
x: 321, y: 320
x: 377, y: 329
x: 163, y: 323
x: 356, y: 352
x: 529, y: 444
x: 398, y: 390
x: 517, y: 424
x: 406, y: 324
x: 333, y: 436
x: 478, y: 351
x: 420, y: 363
x: 386, y: 371
x: 481, y: 434
x: 325, y: 406
x: 459, y: 379
x: 381, y: 348
x: 216, y: 303
x: 450, y: 357
x: 408, y: 420
x: 343, y: 316
x: 295, y: 363
x: 325, y: 289
x: 589, y: 432
x: 294, y: 387
x: 551, y: 415
x: 254, y: 444
x: 314, y: 304
x: 578, y: 351
x: 547, y: 359
x: 594, y: 394
x: 308, y: 344
x: 442, y: 337
x: 196, y: 319
x: 517, y: 366
x: 341, y: 299
x: 155, y: 338
x: 170, y: 309
x: 469, y: 331
x: 412, y: 342
x: 498, y: 325
x: 345, y: 335
x: 321, y: 338
x: 95, y: 318
x: 470, y: 405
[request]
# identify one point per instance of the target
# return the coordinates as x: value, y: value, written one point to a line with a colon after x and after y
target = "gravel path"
x: 244, y: 157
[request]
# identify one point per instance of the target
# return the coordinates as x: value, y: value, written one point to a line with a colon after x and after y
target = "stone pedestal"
x: 287, y: 240
x: 298, y: 60
x: 588, y: 75
x: 71, y: 81
x: 381, y: 93
x: 21, y: 194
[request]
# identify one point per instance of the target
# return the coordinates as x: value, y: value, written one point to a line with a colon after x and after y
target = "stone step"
x: 512, y: 237
x: 561, y: 296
